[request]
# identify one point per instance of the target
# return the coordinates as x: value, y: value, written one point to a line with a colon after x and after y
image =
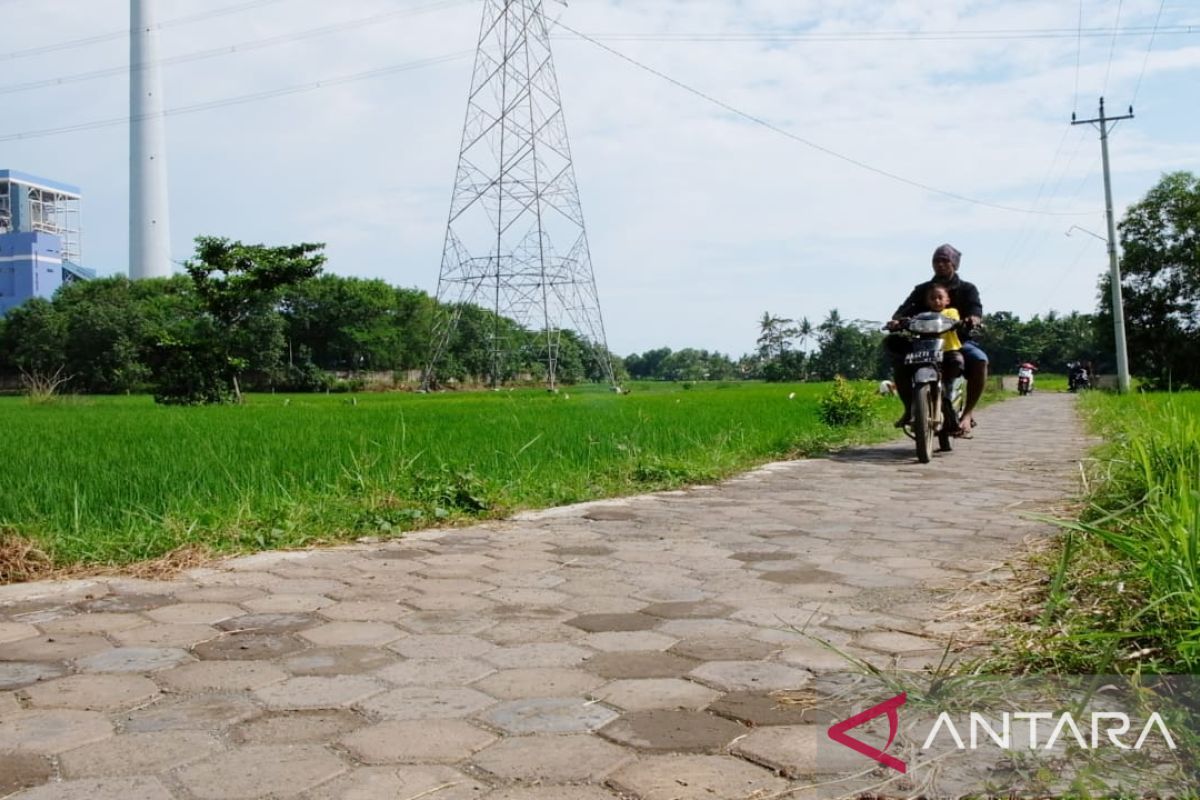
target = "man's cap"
x: 948, y: 252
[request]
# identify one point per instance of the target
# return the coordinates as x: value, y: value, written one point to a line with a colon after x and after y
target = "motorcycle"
x: 1078, y: 379
x: 933, y: 410
x: 1025, y: 379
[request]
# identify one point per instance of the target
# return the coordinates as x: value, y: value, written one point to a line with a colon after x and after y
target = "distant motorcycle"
x: 1078, y: 378
x: 933, y: 409
x: 1025, y: 379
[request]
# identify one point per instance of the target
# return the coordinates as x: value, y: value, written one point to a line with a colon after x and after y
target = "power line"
x: 1078, y: 53
x: 1112, y: 48
x: 113, y: 35
x: 807, y: 142
x: 1137, y: 87
x: 893, y: 36
x: 233, y: 49
x: 242, y: 99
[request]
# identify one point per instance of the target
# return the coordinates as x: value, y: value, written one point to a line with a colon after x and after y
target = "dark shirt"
x: 963, y: 296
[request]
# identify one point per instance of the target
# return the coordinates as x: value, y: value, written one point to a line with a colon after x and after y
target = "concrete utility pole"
x: 1105, y: 124
x: 149, y: 220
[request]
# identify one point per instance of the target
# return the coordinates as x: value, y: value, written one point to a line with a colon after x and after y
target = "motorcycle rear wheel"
x: 923, y: 417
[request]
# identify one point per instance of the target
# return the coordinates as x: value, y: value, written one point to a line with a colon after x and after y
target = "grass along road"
x: 119, y: 479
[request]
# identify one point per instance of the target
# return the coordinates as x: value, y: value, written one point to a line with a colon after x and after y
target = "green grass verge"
x: 1124, y: 592
x: 118, y: 480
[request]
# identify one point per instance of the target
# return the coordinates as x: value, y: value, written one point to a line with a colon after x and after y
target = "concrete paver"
x: 650, y: 648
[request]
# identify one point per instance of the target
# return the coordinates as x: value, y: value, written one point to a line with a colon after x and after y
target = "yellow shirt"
x: 950, y: 340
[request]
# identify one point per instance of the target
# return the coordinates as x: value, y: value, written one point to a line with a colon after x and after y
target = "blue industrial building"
x: 39, y: 238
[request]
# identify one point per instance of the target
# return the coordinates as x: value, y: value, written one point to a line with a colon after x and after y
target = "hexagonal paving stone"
x: 195, y: 613
x: 423, y: 702
x: 656, y: 693
x: 514, y: 684
x: 723, y: 648
x: 165, y: 635
x: 55, y: 648
x: 138, y: 788
x: 332, y: 661
x: 15, y: 674
x: 134, y: 659
x: 280, y: 622
x: 798, y: 751
x: 221, y: 676
x: 444, y: 741
x: 319, y: 692
x: 632, y: 640
x: 732, y: 676
x: 601, y: 623
x: 775, y: 708
x: 388, y: 783
x: 23, y: 771
x: 652, y: 664
x: 435, y: 672
x: 443, y: 622
x: 352, y: 634
x: 193, y: 712
x: 249, y: 646
x: 676, y: 777
x: 552, y: 759
x: 673, y: 730
x: 138, y: 753
x: 552, y: 793
x: 702, y: 609
x: 537, y: 654
x: 366, y: 611
x: 442, y: 646
x: 94, y: 623
x: 287, y: 603
x: 93, y: 692
x: 896, y: 643
x: 548, y: 715
x: 261, y: 771
x: 297, y: 727
x: 16, y: 631
x: 52, y: 731
x: 125, y: 603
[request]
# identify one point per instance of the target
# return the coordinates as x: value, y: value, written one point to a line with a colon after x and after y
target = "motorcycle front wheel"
x: 923, y: 417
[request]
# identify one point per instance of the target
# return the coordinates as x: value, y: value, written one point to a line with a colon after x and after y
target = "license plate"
x: 923, y: 357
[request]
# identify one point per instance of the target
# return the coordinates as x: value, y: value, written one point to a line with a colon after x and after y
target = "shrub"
x: 846, y: 405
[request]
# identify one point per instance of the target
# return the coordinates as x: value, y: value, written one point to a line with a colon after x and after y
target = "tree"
x: 239, y: 328
x: 1160, y: 237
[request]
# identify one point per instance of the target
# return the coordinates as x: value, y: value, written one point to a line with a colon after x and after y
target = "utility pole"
x: 1105, y: 124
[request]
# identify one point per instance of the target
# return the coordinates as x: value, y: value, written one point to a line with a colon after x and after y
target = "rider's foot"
x: 965, y: 423
x: 903, y: 421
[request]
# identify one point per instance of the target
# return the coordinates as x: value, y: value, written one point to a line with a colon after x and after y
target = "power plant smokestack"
x: 149, y: 221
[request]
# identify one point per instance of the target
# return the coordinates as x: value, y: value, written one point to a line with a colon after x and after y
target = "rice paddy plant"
x: 121, y: 479
x: 1146, y: 513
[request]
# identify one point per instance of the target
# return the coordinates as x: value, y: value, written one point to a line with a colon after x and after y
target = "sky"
x: 805, y: 155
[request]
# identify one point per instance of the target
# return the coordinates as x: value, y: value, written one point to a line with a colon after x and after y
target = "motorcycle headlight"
x: 929, y: 325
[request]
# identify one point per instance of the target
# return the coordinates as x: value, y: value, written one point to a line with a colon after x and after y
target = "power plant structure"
x: 149, y: 216
x: 40, y: 238
x: 515, y: 240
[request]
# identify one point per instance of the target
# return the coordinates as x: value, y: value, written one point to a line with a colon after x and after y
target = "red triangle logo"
x: 837, y: 732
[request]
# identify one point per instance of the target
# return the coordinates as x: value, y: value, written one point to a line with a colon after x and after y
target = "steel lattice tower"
x: 515, y: 241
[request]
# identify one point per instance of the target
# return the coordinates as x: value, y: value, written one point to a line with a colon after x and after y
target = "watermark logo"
x: 837, y: 731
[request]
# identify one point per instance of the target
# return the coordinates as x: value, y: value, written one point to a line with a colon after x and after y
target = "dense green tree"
x: 239, y: 328
x: 1160, y: 281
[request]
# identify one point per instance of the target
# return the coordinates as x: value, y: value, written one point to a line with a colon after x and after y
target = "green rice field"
x: 120, y: 479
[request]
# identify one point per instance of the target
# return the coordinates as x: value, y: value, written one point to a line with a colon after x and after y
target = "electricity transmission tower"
x: 515, y: 242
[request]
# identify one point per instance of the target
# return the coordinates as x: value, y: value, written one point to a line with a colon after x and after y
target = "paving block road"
x: 637, y: 648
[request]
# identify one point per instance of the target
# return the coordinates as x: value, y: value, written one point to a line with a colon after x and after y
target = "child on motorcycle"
x: 937, y: 299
